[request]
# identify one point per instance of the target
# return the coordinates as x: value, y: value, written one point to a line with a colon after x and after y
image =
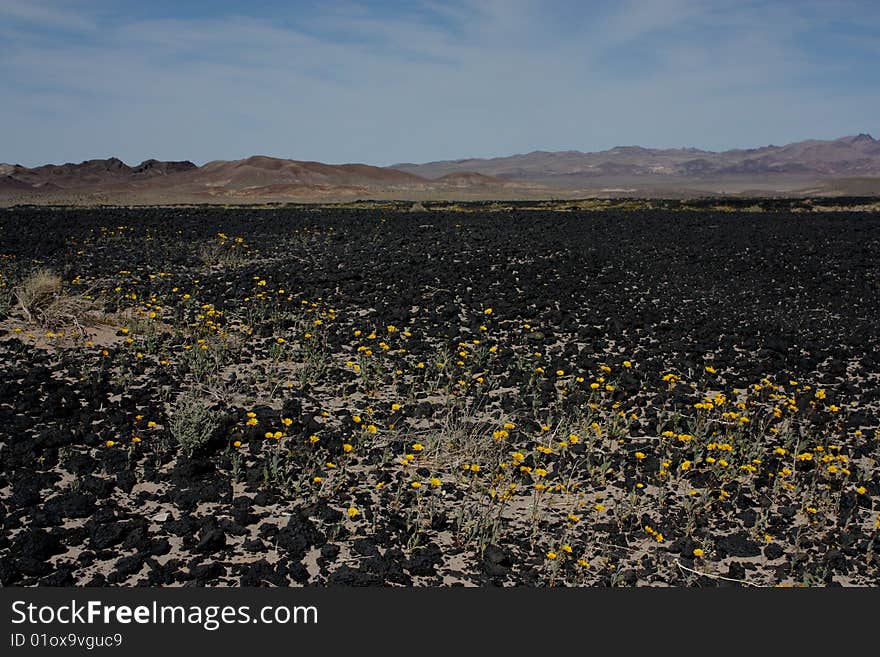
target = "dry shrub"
x: 6, y: 301
x: 42, y: 299
x: 192, y: 423
x: 37, y: 292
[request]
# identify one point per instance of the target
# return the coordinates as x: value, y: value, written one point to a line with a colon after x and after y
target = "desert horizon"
x: 847, y: 166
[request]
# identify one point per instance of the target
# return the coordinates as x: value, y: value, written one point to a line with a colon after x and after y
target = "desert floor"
x: 459, y: 396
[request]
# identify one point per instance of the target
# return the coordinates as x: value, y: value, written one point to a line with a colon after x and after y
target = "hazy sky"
x: 387, y: 82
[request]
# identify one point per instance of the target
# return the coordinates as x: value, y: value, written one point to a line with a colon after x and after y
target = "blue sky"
x: 388, y: 82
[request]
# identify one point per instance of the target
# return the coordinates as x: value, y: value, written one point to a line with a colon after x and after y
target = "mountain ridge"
x: 805, y: 165
x: 853, y: 155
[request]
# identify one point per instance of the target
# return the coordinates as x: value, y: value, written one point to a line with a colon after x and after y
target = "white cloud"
x: 45, y: 14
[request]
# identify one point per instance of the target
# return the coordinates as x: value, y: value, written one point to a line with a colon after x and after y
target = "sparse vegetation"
x: 7, y: 298
x: 583, y: 397
x: 191, y: 422
x: 42, y: 299
x: 37, y: 294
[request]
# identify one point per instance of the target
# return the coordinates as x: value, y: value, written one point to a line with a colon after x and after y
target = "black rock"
x: 330, y: 551
x: 347, y: 576
x: 105, y: 536
x: 71, y: 505
x: 211, y: 538
x: 773, y: 551
x: 129, y: 565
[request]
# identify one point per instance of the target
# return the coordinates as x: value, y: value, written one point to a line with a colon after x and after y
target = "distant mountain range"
x: 812, y: 166
x: 858, y: 155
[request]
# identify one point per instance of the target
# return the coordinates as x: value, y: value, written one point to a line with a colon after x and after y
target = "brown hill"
x: 11, y: 184
x: 261, y: 171
x: 149, y: 168
x: 92, y: 174
x: 84, y: 174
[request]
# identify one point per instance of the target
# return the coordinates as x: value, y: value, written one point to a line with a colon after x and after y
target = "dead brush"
x: 42, y: 300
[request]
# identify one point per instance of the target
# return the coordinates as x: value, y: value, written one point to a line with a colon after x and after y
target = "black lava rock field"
x: 471, y: 395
